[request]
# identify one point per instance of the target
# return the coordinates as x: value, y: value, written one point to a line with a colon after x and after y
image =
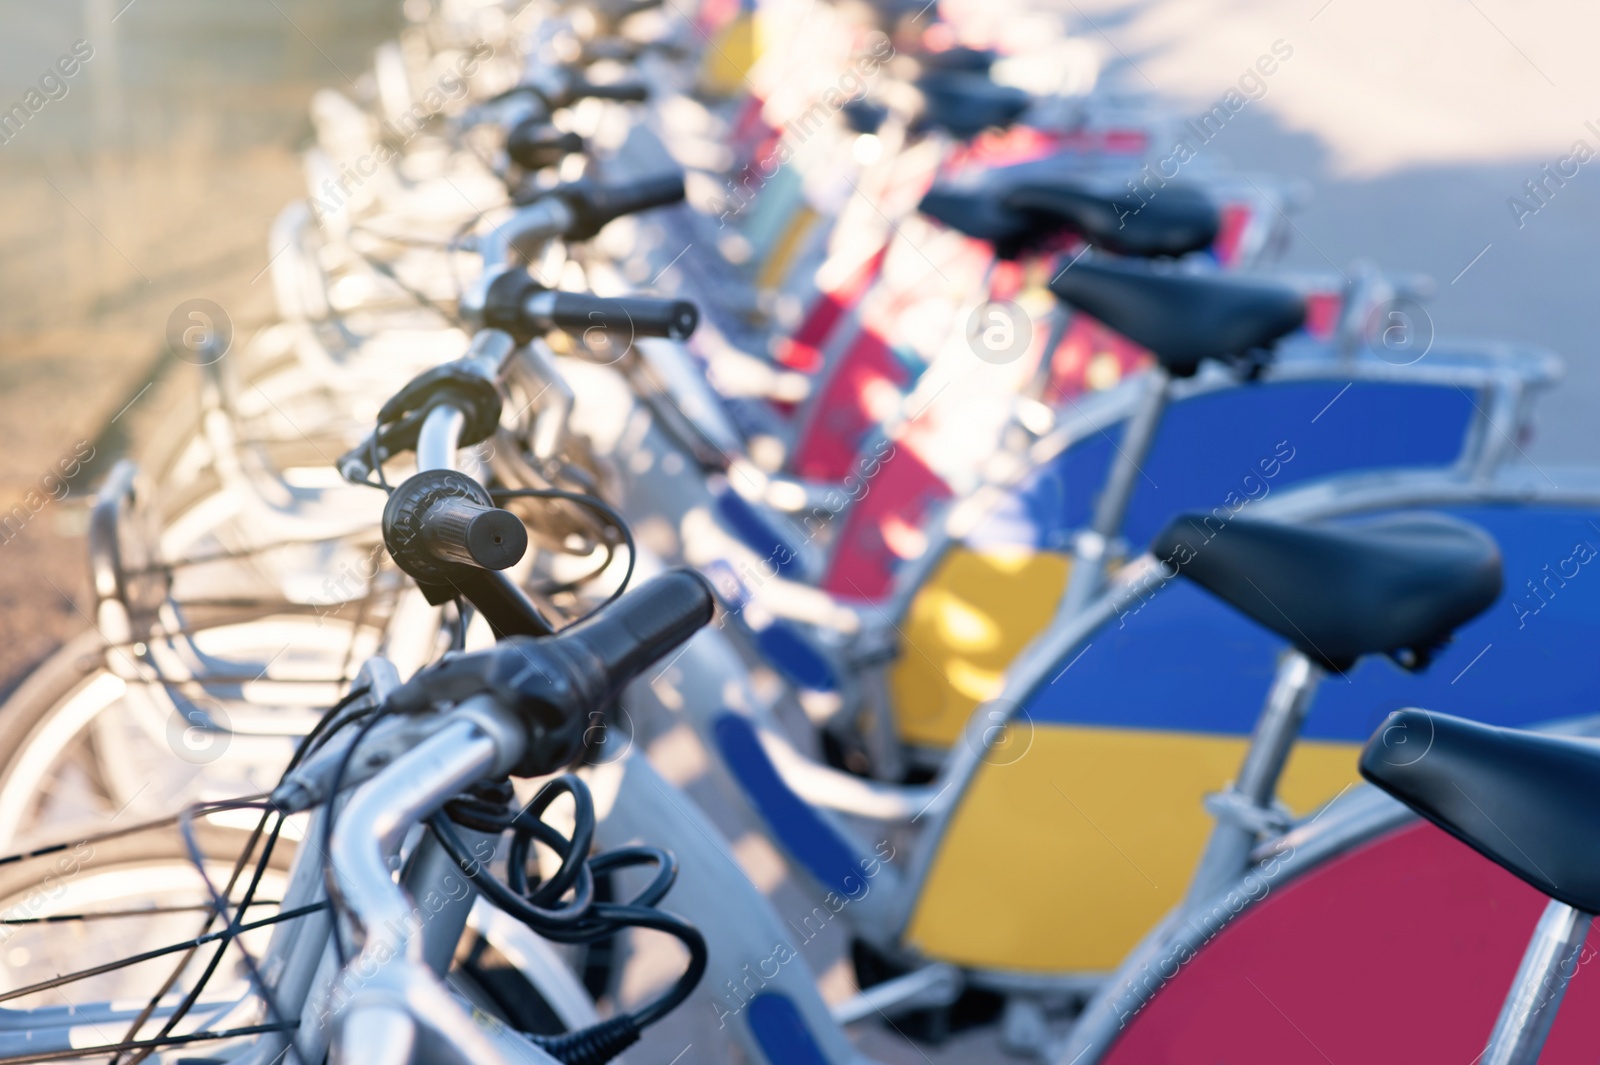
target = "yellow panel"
x: 1063, y: 859
x: 778, y: 263
x: 731, y: 56
x: 965, y: 627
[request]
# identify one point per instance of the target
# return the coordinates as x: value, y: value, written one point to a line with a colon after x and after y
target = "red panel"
x: 749, y: 130
x: 1398, y: 953
x: 715, y: 14
x: 1322, y: 313
x: 1007, y: 147
x: 884, y: 527
x: 804, y: 350
x: 842, y: 415
x: 1022, y: 144
x: 1086, y: 339
x: 1235, y: 220
x: 1006, y: 282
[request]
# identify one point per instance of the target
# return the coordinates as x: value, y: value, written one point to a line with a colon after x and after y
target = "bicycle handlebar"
x: 534, y: 144
x: 462, y: 531
x: 578, y: 312
x: 640, y: 628
x: 555, y: 684
x: 625, y: 91
x: 593, y: 206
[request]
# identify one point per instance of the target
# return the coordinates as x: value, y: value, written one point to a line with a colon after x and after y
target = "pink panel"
x: 1398, y: 953
x: 803, y: 351
x: 1235, y: 220
x: 1322, y: 313
x: 1086, y: 338
x: 841, y: 417
x: 884, y: 527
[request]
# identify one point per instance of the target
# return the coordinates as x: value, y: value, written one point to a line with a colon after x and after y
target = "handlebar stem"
x: 436, y: 443
x: 540, y: 221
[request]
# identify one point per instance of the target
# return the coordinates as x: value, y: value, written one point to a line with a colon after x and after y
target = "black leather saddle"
x: 1397, y: 585
x: 1183, y: 319
x: 1528, y: 801
x: 961, y: 58
x: 977, y: 211
x: 965, y: 103
x: 864, y: 116
x: 1018, y: 208
x: 1173, y: 221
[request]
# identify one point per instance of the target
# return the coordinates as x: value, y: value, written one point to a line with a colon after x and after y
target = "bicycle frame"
x: 804, y: 805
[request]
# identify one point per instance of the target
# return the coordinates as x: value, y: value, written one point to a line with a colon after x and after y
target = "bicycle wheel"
x: 143, y: 892
x: 81, y: 741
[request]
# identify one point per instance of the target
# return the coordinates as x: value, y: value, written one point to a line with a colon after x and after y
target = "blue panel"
x: 1228, y: 441
x: 755, y: 532
x: 809, y: 839
x: 782, y: 1033
x: 1052, y: 501
x: 1185, y: 661
x: 790, y: 654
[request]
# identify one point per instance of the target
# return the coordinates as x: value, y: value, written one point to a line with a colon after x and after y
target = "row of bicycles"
x: 836, y: 432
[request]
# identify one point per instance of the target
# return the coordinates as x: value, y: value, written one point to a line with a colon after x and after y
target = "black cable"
x: 594, y: 503
x: 158, y: 952
x: 330, y: 723
x: 422, y: 298
x: 528, y: 825
x: 109, y: 915
x: 578, y: 582
x: 129, y: 830
x: 219, y: 907
x: 327, y: 725
x: 220, y: 901
x: 77, y: 1053
x: 458, y: 642
x: 582, y: 920
x: 376, y: 462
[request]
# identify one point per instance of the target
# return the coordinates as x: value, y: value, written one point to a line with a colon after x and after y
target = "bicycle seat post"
x: 1093, y: 546
x: 1548, y: 965
x: 1038, y: 386
x: 1246, y: 808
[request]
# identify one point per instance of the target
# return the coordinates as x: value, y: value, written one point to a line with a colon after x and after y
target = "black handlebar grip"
x: 632, y: 316
x: 454, y: 529
x: 555, y: 685
x: 644, y: 626
x: 534, y: 145
x: 627, y: 91
x: 595, y: 205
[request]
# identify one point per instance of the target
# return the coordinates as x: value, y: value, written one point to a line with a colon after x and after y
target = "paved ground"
x: 1415, y: 125
x: 150, y: 181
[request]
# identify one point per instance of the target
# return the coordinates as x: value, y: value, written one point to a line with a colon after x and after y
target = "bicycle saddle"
x: 1398, y: 585
x: 962, y: 58
x: 1174, y: 221
x: 1183, y: 319
x: 978, y: 213
x: 1015, y: 215
x: 864, y: 116
x: 966, y: 104
x: 1527, y: 801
